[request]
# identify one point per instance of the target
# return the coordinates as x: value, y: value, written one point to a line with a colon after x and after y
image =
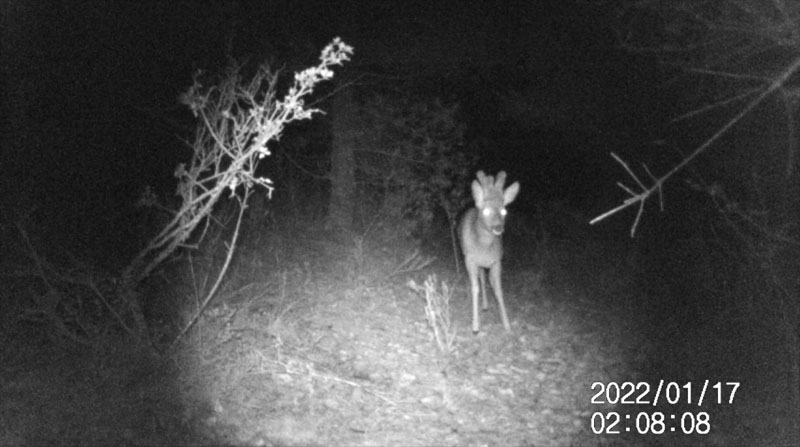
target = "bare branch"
x: 777, y: 83
x: 715, y: 105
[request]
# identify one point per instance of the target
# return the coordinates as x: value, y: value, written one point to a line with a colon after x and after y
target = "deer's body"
x: 481, y: 235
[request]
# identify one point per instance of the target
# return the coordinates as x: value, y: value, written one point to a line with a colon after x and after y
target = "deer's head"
x: 491, y: 200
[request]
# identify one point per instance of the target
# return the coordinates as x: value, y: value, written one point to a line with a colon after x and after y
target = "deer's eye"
x: 503, y: 212
x: 487, y: 211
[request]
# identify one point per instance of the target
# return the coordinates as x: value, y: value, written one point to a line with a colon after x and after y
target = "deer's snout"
x: 497, y: 229
x: 493, y: 221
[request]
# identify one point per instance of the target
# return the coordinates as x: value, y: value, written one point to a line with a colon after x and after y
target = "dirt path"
x: 326, y: 365
x: 360, y: 367
x: 320, y: 356
x: 341, y: 367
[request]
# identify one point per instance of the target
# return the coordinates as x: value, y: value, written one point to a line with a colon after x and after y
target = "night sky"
x: 91, y: 89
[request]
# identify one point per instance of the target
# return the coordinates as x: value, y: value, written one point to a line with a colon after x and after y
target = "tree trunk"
x: 345, y: 132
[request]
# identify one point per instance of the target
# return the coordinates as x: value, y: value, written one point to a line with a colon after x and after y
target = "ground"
x: 310, y: 359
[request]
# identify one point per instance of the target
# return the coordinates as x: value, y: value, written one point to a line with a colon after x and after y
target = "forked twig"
x: 412, y: 263
x: 640, y: 197
x: 308, y: 368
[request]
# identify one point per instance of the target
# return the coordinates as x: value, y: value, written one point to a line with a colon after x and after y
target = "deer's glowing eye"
x: 487, y: 211
x: 503, y: 212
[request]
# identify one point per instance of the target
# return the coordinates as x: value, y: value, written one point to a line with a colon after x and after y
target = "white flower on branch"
x: 336, y: 52
x: 263, y: 152
x: 266, y: 183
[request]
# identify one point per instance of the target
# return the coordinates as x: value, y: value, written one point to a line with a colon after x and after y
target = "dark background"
x: 90, y: 117
x: 91, y: 91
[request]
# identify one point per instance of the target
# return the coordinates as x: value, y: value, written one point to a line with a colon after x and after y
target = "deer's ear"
x: 510, y: 193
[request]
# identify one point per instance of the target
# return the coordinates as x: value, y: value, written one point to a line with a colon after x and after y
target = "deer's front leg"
x: 497, y: 286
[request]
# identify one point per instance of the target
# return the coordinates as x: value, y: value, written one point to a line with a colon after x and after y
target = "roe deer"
x: 481, y: 231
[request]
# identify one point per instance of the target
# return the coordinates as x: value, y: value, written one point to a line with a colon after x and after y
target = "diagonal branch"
x: 644, y: 193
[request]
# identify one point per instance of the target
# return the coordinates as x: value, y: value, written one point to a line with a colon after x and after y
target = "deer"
x: 481, y: 235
